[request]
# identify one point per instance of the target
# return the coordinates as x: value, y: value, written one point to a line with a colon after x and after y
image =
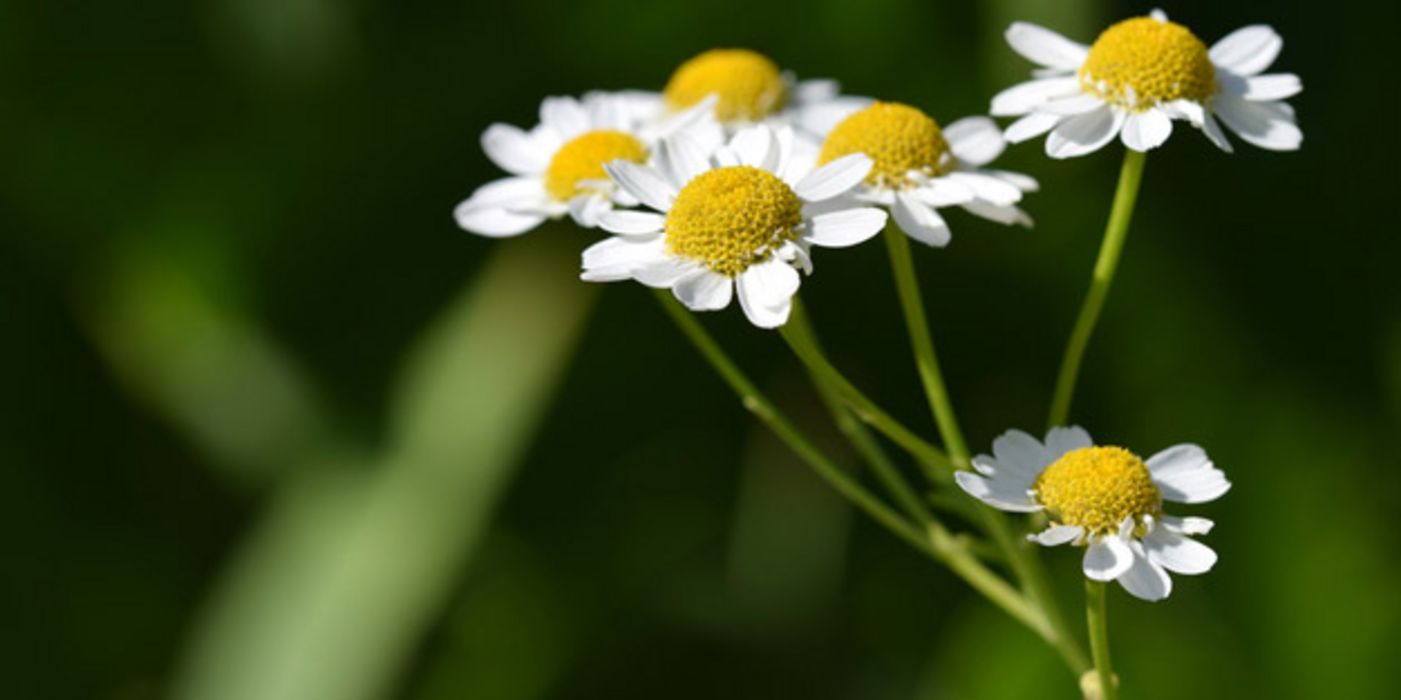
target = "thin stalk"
x: 758, y: 404
x: 1120, y: 212
x: 937, y: 465
x: 922, y: 343
x: 1095, y: 609
x: 861, y: 438
x: 1023, y: 561
x: 935, y: 540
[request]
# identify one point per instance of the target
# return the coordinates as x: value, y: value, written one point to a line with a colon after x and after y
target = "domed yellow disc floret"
x: 1097, y: 487
x: 730, y: 218
x: 899, y: 138
x: 748, y: 84
x: 582, y: 159
x: 1142, y: 61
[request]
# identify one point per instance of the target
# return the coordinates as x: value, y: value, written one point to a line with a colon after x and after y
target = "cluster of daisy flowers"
x: 723, y: 184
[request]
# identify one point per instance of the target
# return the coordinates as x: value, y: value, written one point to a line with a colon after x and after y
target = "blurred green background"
x: 274, y: 428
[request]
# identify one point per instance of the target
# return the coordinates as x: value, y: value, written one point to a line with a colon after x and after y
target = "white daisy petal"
x: 565, y: 116
x: 766, y: 292
x: 681, y: 158
x: 586, y: 209
x: 944, y: 192
x: 615, y: 259
x: 996, y: 494
x: 1084, y: 133
x: 1275, y: 86
x: 1186, y: 526
x: 1146, y: 130
x: 816, y: 90
x: 704, y: 290
x: 848, y: 227
x: 1031, y: 126
x: 1145, y: 579
x: 975, y: 140
x: 642, y: 182
x: 1046, y: 47
x: 1024, y: 97
x: 1061, y: 440
x: 1072, y: 104
x: 631, y: 223
x: 1185, y: 474
x: 513, y: 150
x: 1213, y: 131
x: 1057, y: 535
x: 834, y: 178
x: 821, y: 118
x: 920, y: 221
x: 1007, y: 215
x: 1021, y: 453
x: 509, y: 192
x: 664, y: 271
x: 754, y: 146
x: 1107, y: 559
x: 496, y: 222
x: 1025, y: 183
x: 1179, y: 554
x: 1247, y: 50
x: 988, y: 188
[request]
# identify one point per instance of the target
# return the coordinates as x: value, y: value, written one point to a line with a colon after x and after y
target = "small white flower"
x: 920, y: 168
x: 745, y: 88
x: 1106, y: 499
x: 736, y: 221
x: 1139, y: 76
x: 557, y: 167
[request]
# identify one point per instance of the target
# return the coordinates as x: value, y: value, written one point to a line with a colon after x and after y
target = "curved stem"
x: 861, y: 438
x: 922, y: 343
x: 758, y: 404
x: 935, y: 540
x: 1023, y: 561
x: 1095, y: 609
x: 1125, y: 195
x: 937, y: 465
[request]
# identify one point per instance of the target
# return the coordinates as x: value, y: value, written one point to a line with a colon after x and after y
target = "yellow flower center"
x: 581, y: 160
x: 749, y: 85
x: 1097, y: 487
x: 898, y: 138
x: 1142, y: 61
x: 730, y: 218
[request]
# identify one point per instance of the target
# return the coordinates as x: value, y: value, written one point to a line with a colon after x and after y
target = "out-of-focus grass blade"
x: 189, y: 354
x: 381, y: 558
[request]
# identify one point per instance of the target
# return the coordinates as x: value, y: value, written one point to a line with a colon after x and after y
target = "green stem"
x: 937, y: 465
x: 760, y: 406
x: 1130, y: 175
x: 861, y: 438
x: 1099, y: 638
x: 922, y: 343
x: 935, y: 540
x: 1023, y: 561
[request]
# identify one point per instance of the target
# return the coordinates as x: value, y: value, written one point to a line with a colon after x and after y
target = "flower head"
x: 1106, y: 499
x: 1139, y: 76
x: 740, y: 88
x: 557, y: 167
x: 738, y: 220
x: 919, y: 167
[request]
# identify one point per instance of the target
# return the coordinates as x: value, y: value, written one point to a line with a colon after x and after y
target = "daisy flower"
x: 734, y: 223
x: 919, y: 168
x: 1140, y: 75
x: 744, y: 88
x: 1106, y: 499
x: 556, y: 168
